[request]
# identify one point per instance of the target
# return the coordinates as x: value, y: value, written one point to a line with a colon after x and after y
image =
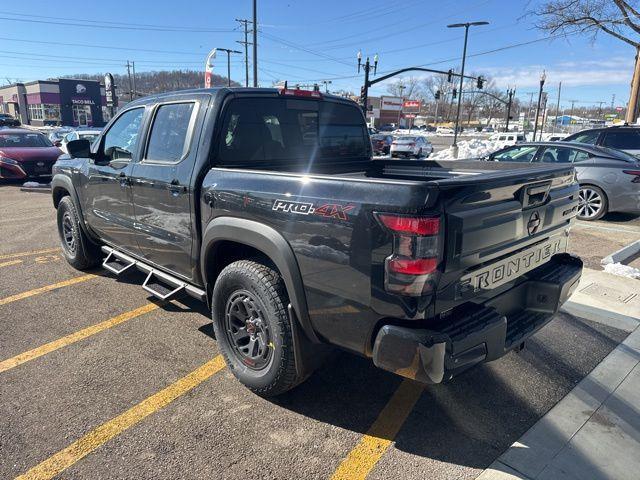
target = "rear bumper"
x: 474, y: 334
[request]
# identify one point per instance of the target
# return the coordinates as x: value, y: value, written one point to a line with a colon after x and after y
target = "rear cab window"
x: 276, y: 131
x: 170, y: 133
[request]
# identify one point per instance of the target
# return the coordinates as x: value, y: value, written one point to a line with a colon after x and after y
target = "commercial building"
x: 68, y: 102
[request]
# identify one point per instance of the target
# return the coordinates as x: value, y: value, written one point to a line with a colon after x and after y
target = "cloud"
x: 611, y: 71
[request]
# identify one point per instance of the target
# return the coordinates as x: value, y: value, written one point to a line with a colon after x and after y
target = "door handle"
x: 208, y: 198
x: 175, y: 188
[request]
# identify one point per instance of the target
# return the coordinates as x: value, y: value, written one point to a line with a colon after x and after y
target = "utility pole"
x: 229, y: 52
x: 613, y: 101
x: 558, y: 105
x: 133, y: 68
x: 246, y: 43
x: 464, y: 58
x: 129, y: 75
x: 543, y: 77
x: 632, y: 110
x: 255, y: 43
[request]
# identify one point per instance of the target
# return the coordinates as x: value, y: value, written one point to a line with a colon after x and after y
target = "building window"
x: 82, y: 115
x: 35, y: 111
x: 51, y: 112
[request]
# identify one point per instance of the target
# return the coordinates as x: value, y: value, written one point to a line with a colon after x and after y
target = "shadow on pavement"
x: 477, y: 416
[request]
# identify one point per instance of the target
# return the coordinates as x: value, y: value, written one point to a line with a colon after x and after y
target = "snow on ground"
x: 622, y: 270
x: 470, y: 149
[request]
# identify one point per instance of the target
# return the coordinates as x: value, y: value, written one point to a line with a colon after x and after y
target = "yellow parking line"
x: 46, y: 288
x: 381, y: 434
x: 79, y: 449
x: 32, y: 354
x: 26, y: 254
x: 10, y: 262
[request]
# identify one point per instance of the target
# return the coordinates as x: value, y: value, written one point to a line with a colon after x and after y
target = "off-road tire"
x: 267, y: 288
x: 78, y: 250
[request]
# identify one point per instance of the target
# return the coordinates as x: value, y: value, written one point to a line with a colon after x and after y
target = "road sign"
x: 411, y: 104
x: 619, y: 109
x: 409, y: 115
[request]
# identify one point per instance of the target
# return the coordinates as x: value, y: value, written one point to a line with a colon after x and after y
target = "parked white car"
x: 88, y: 134
x: 508, y: 138
x: 444, y: 131
x: 411, y: 146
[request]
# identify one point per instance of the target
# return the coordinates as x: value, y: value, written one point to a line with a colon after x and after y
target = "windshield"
x: 21, y: 140
x: 272, y: 130
x: 407, y: 139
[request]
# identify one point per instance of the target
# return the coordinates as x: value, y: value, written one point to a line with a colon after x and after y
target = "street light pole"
x: 543, y: 77
x: 510, y: 93
x: 464, y: 58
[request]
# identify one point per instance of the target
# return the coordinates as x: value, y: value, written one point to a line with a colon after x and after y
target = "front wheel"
x: 78, y: 250
x: 253, y: 329
x: 592, y: 203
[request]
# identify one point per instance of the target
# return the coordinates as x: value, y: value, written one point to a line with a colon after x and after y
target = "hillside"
x: 158, y: 82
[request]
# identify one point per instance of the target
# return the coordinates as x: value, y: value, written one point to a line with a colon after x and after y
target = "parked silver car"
x: 411, y: 146
x: 609, y: 179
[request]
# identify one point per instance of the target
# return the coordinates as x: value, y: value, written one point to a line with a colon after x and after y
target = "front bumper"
x: 474, y: 334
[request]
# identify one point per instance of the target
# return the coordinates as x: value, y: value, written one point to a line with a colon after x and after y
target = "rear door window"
x: 261, y: 131
x: 622, y: 139
x: 169, y: 137
x: 563, y: 155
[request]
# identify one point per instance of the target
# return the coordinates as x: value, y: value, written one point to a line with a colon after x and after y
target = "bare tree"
x: 405, y: 87
x: 617, y: 18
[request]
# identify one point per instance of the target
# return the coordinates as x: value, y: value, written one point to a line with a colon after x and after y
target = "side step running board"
x: 161, y: 285
x: 118, y: 264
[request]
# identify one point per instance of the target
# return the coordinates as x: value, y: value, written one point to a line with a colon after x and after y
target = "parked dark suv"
x: 625, y: 138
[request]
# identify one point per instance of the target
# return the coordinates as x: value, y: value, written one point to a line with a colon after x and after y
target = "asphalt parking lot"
x: 100, y: 382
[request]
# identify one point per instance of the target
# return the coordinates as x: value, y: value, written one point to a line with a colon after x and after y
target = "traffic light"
x: 450, y: 75
x: 362, y: 91
x: 480, y: 83
x: 454, y: 93
x: 437, y: 95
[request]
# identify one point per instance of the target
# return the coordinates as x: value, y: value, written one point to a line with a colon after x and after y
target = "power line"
x: 117, y: 27
x: 304, y: 49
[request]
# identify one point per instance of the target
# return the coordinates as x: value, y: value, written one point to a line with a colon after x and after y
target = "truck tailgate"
x: 500, y: 225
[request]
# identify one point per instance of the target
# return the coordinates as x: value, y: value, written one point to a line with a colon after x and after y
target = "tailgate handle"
x: 535, y: 195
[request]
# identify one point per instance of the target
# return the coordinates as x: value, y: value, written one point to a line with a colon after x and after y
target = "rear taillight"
x: 636, y: 173
x: 409, y: 270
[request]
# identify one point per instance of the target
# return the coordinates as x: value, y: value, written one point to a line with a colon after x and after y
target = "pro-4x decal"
x: 330, y: 210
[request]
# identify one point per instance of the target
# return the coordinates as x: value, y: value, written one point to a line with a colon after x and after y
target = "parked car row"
x: 609, y: 178
x: 416, y: 146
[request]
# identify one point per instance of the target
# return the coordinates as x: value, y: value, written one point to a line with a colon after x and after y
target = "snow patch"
x: 622, y: 270
x: 470, y: 149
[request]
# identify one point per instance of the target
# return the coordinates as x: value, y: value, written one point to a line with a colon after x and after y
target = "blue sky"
x: 308, y: 41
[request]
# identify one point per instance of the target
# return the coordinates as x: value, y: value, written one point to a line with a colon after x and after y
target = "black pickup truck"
x: 267, y: 205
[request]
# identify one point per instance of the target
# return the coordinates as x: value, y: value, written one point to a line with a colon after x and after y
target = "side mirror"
x: 79, y: 148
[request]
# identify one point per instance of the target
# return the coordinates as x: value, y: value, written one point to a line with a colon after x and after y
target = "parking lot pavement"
x: 97, y: 381
x: 594, y: 240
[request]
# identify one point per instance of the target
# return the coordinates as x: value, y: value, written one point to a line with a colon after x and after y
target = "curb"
x: 623, y: 254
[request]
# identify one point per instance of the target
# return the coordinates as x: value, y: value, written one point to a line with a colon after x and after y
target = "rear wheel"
x: 592, y: 203
x: 253, y: 329
x: 77, y: 249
